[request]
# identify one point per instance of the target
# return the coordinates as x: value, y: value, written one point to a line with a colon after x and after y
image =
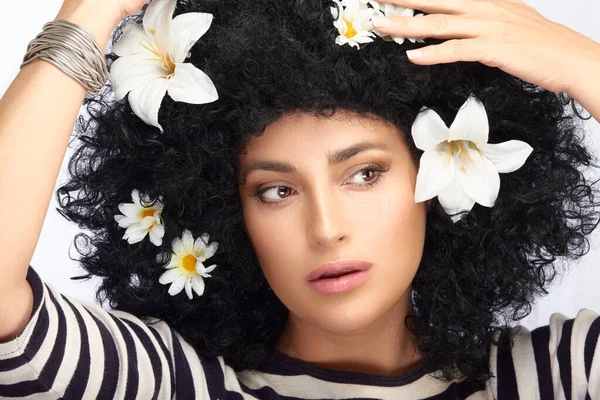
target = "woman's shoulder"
x: 77, y: 349
x: 557, y: 360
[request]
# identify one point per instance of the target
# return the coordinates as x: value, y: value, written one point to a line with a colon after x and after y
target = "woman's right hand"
x: 129, y: 7
x: 99, y: 17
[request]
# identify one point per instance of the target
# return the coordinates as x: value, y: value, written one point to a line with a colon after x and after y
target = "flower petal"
x: 126, y: 222
x: 351, y: 8
x: 205, y: 237
x: 210, y: 250
x: 200, y: 267
x: 135, y: 234
x: 199, y: 247
x: 129, y: 44
x: 436, y: 171
x: 198, y: 285
x: 454, y: 200
x: 362, y: 21
x: 373, y: 4
x: 145, y: 101
x: 158, y: 18
x: 211, y: 268
x: 177, y: 285
x: 471, y: 122
x: 178, y: 248
x: 481, y: 181
x: 188, y: 287
x: 187, y: 241
x: 334, y: 12
x: 399, y: 11
x: 135, y: 196
x: 205, y: 271
x: 363, y: 37
x: 159, y: 230
x: 131, y: 72
x: 507, y: 156
x: 170, y: 275
x: 131, y: 210
x: 186, y: 29
x: 155, y: 237
x: 191, y: 85
x: 429, y: 129
x: 147, y: 222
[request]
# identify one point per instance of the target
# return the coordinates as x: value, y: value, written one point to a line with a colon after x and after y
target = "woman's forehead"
x: 302, y: 132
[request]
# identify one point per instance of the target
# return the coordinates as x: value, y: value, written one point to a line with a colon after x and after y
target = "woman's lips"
x: 345, y: 275
x: 353, y: 265
x: 340, y: 284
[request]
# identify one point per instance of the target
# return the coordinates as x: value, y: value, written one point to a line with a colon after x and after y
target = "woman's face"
x: 309, y: 210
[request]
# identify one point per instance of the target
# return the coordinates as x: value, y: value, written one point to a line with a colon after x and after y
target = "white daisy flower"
x: 186, y: 268
x: 353, y: 22
x: 140, y: 220
x: 458, y: 164
x: 151, y: 61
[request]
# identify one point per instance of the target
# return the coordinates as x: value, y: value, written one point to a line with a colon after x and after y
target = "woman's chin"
x: 350, y: 315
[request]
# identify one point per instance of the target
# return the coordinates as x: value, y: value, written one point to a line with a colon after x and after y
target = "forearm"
x: 37, y: 114
x: 585, y: 87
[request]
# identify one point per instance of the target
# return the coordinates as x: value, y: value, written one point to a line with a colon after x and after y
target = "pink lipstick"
x: 338, y: 277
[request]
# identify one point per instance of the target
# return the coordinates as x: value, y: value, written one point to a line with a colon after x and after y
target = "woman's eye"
x: 275, y: 195
x: 367, y: 174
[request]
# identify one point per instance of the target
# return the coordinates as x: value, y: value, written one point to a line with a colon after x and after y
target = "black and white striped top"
x: 77, y: 350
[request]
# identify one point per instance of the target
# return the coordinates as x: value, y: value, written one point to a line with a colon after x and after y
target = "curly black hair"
x: 271, y: 57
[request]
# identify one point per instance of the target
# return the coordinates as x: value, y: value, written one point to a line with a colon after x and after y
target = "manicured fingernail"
x: 414, y: 54
x: 381, y: 21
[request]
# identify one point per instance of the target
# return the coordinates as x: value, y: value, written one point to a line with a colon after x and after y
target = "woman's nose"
x: 326, y: 217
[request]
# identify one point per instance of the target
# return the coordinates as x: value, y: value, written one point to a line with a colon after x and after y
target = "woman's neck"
x: 384, y: 347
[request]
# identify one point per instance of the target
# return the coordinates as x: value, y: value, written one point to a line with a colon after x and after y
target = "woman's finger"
x: 437, y: 6
x: 453, y: 51
x: 432, y: 26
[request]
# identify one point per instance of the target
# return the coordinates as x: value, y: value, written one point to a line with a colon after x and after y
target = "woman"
x: 309, y: 213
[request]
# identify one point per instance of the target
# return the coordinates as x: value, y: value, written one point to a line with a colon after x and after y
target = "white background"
x: 22, y: 20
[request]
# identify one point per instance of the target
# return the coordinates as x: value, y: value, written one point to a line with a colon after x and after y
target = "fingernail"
x: 381, y: 21
x: 414, y: 54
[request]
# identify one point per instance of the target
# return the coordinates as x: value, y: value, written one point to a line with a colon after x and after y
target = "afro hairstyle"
x: 272, y: 57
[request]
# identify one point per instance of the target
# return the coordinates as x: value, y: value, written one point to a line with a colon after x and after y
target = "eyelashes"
x: 376, y: 169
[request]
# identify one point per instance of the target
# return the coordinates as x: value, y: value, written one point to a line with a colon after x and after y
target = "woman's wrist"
x: 98, y: 17
x: 585, y: 83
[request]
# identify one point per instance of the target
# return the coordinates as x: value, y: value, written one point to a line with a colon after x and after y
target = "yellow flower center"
x: 148, y: 212
x: 162, y: 54
x: 350, y: 31
x: 189, y: 263
x: 456, y: 146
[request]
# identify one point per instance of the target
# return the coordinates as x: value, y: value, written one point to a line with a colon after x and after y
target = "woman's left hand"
x: 507, y: 34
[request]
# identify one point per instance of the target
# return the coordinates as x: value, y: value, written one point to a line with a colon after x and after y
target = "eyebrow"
x: 333, y: 158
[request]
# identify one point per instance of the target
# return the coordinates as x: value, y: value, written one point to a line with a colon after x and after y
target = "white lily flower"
x: 186, y: 268
x: 458, y: 165
x: 141, y: 221
x: 151, y: 61
x: 353, y: 22
x: 392, y: 10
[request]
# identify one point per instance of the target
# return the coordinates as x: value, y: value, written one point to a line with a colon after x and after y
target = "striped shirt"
x: 77, y: 350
